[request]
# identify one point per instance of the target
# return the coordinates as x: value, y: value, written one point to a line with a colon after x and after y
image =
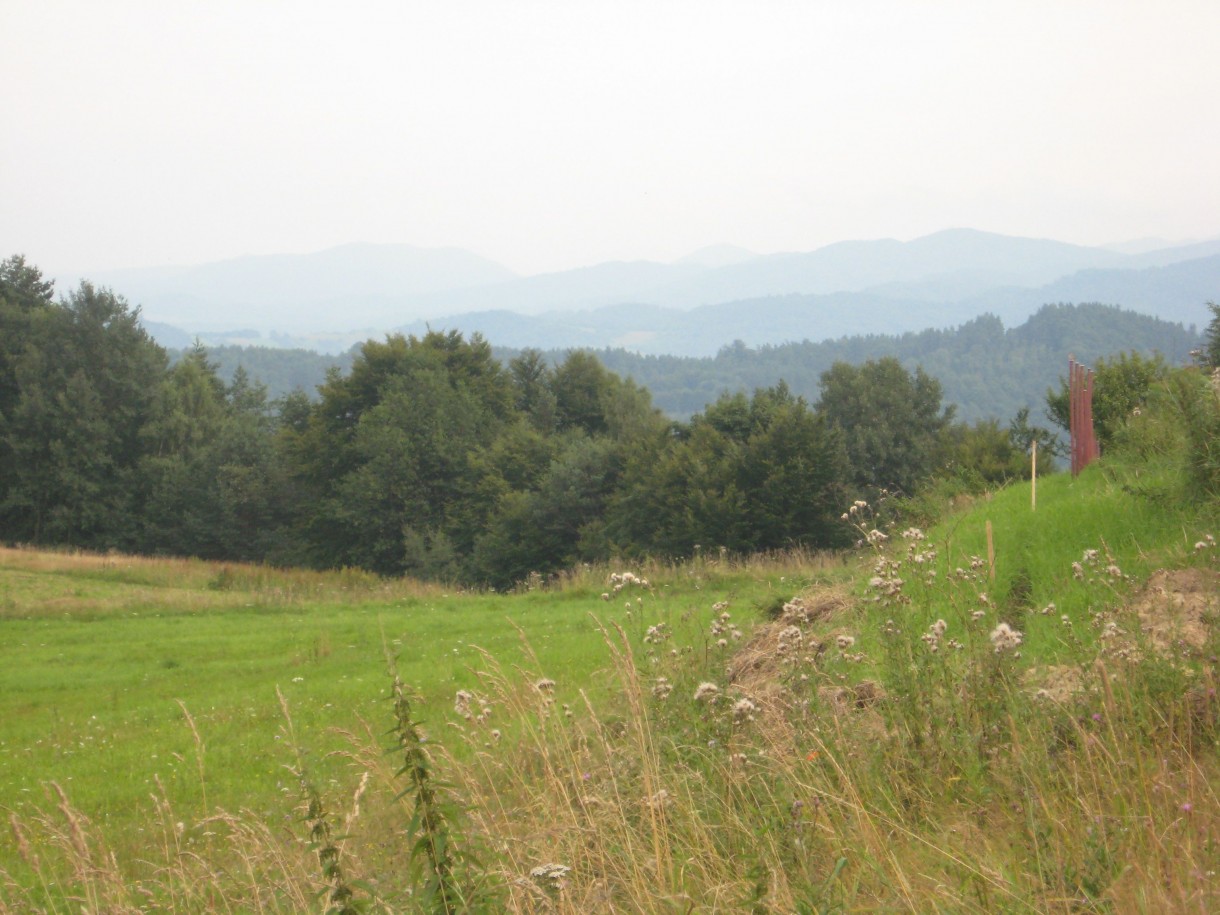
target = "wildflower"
x: 913, y: 533
x: 789, y: 641
x: 657, y: 634
x: 662, y: 688
x: 461, y: 703
x: 706, y: 692
x: 978, y: 614
x: 545, y: 685
x: 875, y: 537
x: 1077, y: 571
x: 1004, y: 637
x: 931, y: 638
x: 744, y: 708
x: 660, y: 800
x: 844, y: 642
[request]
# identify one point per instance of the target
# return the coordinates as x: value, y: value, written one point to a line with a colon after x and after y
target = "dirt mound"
x: 784, y: 643
x: 1177, y: 608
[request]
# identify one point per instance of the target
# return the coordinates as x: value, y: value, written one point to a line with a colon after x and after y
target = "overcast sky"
x: 548, y: 135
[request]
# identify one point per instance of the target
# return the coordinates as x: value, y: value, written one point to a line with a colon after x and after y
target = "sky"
x: 552, y: 135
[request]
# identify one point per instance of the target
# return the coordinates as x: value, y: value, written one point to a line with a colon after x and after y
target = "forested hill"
x: 986, y: 370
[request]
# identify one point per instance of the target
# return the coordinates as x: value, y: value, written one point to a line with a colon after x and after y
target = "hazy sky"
x: 548, y: 135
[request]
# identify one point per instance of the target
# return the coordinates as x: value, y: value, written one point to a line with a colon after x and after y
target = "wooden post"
x: 1033, y: 475
x: 990, y: 554
x: 1073, y: 423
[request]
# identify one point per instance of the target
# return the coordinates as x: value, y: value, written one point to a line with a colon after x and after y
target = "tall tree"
x: 86, y: 381
x: 24, y: 297
x: 747, y: 475
x: 387, y: 457
x: 1211, y: 338
x: 891, y: 420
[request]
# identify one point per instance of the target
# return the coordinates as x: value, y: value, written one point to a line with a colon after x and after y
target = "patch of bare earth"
x: 1177, y: 608
x: 791, y: 646
x: 1056, y: 682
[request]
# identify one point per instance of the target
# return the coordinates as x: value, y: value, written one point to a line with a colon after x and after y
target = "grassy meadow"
x: 937, y: 721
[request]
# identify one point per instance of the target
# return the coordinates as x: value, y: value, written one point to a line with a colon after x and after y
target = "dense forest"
x: 986, y: 371
x: 431, y: 457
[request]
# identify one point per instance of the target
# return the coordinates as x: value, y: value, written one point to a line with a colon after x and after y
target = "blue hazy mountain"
x: 692, y: 306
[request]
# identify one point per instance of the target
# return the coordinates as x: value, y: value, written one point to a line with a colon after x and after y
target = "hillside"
x: 987, y: 370
x: 913, y: 727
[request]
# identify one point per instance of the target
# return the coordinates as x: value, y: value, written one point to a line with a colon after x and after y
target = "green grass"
x: 91, y: 698
x: 950, y: 784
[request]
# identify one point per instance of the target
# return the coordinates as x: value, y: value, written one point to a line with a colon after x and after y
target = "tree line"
x: 430, y: 457
x: 986, y: 370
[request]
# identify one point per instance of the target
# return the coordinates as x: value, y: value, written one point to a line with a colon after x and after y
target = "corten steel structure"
x: 1080, y: 413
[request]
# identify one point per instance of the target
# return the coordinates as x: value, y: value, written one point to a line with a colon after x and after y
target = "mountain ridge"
x: 855, y: 286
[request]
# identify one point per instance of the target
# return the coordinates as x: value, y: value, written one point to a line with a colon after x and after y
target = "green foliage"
x: 1211, y: 338
x: 986, y: 370
x: 747, y: 475
x: 890, y: 420
x: 1196, y: 397
x: 1121, y: 385
x: 443, y: 870
x: 986, y: 455
x: 85, y: 381
x: 388, y: 454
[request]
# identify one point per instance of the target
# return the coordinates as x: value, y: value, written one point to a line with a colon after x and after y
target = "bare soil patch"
x: 1178, y: 608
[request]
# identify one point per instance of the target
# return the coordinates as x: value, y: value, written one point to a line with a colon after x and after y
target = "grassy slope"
x: 957, y: 791
x: 99, y: 656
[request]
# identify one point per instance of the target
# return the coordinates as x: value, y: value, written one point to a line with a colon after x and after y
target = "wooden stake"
x: 1033, y: 475
x: 990, y: 554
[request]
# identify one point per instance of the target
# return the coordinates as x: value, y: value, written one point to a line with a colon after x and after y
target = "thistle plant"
x: 432, y: 832
x: 339, y: 893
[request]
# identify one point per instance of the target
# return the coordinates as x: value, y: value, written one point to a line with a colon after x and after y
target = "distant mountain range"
x: 331, y: 299
x: 1176, y: 293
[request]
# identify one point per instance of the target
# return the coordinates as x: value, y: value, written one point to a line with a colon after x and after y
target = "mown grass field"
x: 870, y: 767
x: 103, y: 658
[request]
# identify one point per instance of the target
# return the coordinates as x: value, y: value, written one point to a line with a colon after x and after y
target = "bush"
x: 1196, y: 397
